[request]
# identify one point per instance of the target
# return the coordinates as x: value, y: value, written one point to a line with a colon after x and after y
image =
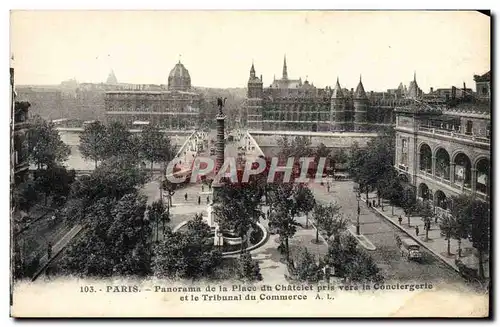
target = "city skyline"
x: 444, y: 48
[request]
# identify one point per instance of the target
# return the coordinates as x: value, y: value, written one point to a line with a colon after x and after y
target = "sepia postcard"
x: 250, y: 164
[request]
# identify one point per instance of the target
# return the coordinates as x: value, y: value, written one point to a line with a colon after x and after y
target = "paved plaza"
x: 378, y: 232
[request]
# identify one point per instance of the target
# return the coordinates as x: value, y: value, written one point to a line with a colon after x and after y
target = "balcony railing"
x: 454, y: 134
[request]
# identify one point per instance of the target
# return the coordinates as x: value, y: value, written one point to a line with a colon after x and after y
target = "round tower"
x: 360, y: 103
x: 337, y: 109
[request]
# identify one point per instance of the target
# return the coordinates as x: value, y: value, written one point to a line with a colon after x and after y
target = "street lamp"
x: 358, y: 197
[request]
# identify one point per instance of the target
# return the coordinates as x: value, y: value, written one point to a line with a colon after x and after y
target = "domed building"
x: 174, y: 107
x: 179, y: 79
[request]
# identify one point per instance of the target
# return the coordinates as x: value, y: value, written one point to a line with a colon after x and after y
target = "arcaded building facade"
x: 176, y: 107
x: 444, y: 150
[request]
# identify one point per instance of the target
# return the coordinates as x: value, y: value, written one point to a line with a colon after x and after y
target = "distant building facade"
x: 176, y: 107
x: 19, y: 130
x: 291, y: 104
x: 444, y: 150
x: 483, y: 85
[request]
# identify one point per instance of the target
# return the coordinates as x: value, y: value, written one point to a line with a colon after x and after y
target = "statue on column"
x: 221, y: 103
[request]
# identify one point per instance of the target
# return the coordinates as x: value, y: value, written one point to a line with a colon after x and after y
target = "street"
x: 382, y: 234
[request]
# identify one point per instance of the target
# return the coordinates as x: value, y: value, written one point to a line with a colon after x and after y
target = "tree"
x: 238, y: 208
x: 408, y: 202
x: 362, y: 268
x: 340, y: 252
x: 448, y: 226
x: 116, y: 240
x: 367, y: 166
x: 155, y: 146
x: 114, y: 178
x: 392, y: 191
x: 156, y: 213
x: 25, y: 195
x: 170, y: 188
x: 307, y: 269
x: 54, y: 181
x: 45, y: 146
x: 187, y: 255
x: 480, y: 231
x: 285, y: 226
x: 329, y: 218
x: 322, y: 151
x: 461, y: 210
x: 339, y: 157
x: 299, y: 147
x: 118, y: 142
x: 93, y: 142
x: 248, y: 269
x: 350, y: 263
x: 304, y: 200
x: 198, y: 229
x: 426, y: 213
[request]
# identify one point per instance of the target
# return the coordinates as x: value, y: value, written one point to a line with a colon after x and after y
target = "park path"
x: 57, y: 248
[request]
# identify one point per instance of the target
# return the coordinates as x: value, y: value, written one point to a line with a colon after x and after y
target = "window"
x: 404, y: 152
x: 484, y: 91
x: 468, y: 128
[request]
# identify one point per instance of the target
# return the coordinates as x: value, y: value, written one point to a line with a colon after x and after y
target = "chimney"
x: 432, y: 89
x: 453, y: 92
x: 261, y: 77
x: 464, y: 92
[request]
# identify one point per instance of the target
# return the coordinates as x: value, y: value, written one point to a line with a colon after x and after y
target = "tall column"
x: 473, y: 179
x: 452, y: 172
x: 433, y: 165
x: 219, y: 148
x: 219, y: 151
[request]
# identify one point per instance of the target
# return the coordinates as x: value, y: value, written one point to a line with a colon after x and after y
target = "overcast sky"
x: 444, y: 48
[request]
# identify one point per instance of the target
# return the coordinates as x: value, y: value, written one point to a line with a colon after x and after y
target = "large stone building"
x: 176, y: 107
x: 444, y: 150
x: 291, y: 104
x: 90, y: 101
x: 19, y: 129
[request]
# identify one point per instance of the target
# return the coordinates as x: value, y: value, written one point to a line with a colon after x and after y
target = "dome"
x: 112, y: 78
x: 179, y: 78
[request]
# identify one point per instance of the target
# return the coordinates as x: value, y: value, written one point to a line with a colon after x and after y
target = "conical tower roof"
x: 337, y: 91
x: 360, y: 91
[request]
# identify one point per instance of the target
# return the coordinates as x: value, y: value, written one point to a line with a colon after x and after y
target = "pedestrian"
x: 186, y: 196
x: 328, y: 187
x: 208, y: 199
x: 416, y: 230
x: 202, y: 188
x: 400, y: 219
x: 382, y: 206
x: 199, y: 200
x: 49, y: 250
